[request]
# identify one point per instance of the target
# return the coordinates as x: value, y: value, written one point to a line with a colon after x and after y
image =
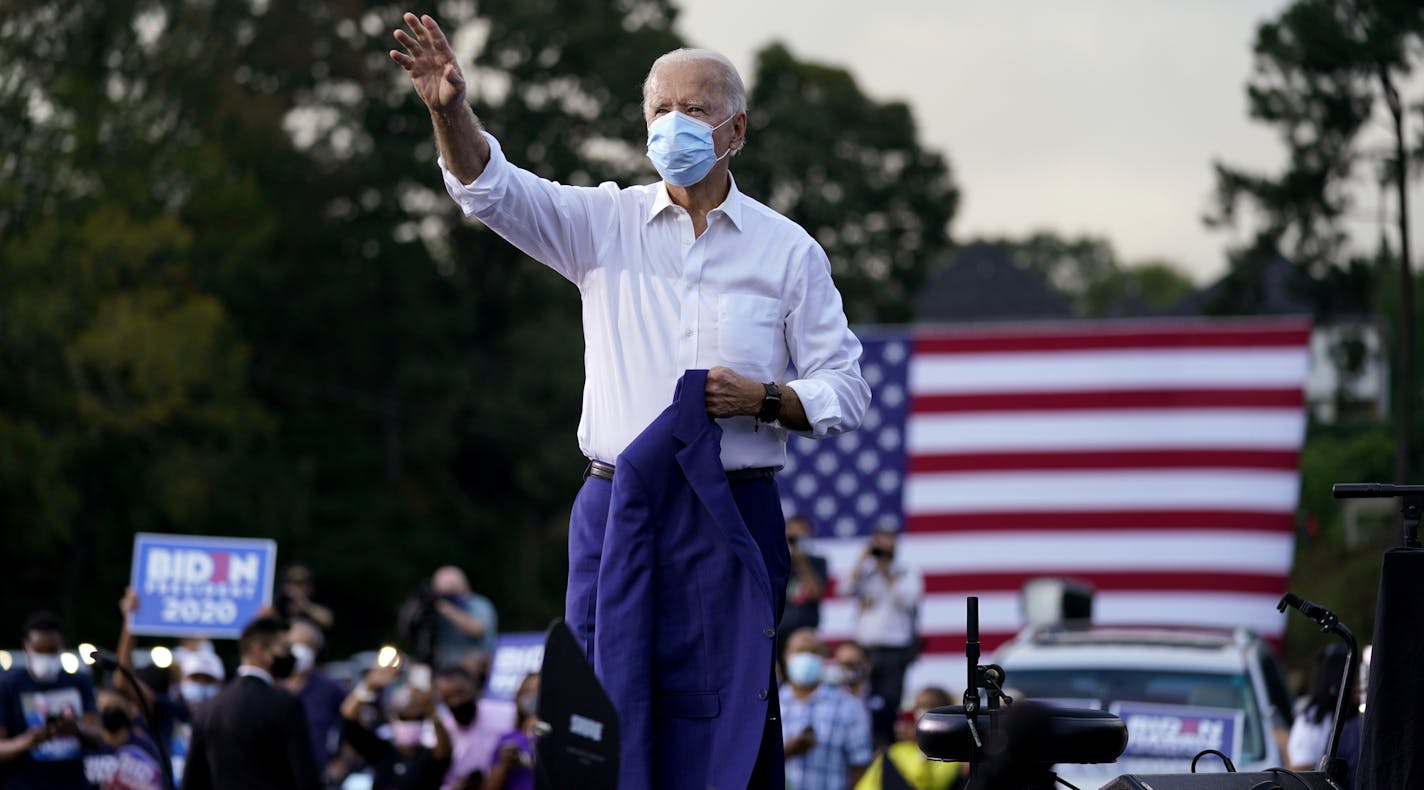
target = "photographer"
x: 403, y: 762
x: 446, y: 622
x: 889, y: 594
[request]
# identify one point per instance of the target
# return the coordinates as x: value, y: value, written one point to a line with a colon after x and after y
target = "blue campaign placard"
x: 515, y: 655
x: 1178, y: 731
x: 191, y: 585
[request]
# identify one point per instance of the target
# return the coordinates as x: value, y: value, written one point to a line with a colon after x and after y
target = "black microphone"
x: 106, y: 659
x: 1319, y: 614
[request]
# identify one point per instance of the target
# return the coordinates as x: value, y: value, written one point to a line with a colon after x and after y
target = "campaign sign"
x: 515, y: 655
x: 1178, y: 731
x: 200, y: 586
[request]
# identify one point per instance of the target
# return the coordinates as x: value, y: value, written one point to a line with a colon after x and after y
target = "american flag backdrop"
x: 1157, y: 461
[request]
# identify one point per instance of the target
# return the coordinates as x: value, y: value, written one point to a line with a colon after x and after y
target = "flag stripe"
x: 1106, y: 371
x: 1114, y: 429
x: 1285, y: 460
x: 1120, y: 399
x: 1103, y: 521
x: 1056, y: 553
x: 1196, y: 335
x: 999, y: 611
x: 1270, y: 491
x: 1115, y: 580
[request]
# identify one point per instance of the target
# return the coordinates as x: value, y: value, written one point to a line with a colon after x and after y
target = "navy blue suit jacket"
x: 684, y: 625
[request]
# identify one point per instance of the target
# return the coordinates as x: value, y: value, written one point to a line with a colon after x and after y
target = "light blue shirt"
x: 842, y: 729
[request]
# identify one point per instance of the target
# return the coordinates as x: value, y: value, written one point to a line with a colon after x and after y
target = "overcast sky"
x: 1085, y: 116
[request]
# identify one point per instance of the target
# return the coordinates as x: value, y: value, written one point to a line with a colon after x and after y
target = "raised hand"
x: 431, y: 63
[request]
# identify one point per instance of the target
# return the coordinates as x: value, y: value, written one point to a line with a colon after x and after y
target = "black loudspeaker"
x: 1258, y: 780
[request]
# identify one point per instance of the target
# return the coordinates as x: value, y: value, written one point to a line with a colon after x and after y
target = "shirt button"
x: 768, y: 632
x: 761, y: 694
x: 687, y: 333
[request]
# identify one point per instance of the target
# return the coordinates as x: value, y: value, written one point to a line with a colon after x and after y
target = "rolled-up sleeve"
x: 825, y: 353
x: 485, y: 190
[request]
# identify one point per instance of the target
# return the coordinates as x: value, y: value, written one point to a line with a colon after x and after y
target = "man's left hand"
x: 730, y: 394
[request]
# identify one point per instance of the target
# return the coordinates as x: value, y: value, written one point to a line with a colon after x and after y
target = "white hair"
x: 732, y: 93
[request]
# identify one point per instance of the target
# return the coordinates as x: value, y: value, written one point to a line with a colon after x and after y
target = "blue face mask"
x: 804, y: 669
x: 681, y: 149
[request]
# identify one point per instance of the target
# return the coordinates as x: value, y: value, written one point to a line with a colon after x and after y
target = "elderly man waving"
x: 683, y: 274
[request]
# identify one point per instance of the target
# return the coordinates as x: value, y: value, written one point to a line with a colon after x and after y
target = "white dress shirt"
x: 753, y: 293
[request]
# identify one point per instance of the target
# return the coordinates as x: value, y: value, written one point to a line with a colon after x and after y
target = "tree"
x: 317, y: 348
x: 850, y: 170
x: 1322, y: 68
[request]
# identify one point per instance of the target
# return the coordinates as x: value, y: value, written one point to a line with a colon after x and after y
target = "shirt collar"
x: 731, y: 205
x: 248, y: 671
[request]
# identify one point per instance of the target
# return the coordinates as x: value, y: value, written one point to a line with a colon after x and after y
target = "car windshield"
x: 1104, y: 688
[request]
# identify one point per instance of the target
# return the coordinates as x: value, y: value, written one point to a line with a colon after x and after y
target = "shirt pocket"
x: 747, y: 331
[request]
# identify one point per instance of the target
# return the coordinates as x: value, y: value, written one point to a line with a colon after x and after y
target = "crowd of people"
x: 421, y: 718
x: 276, y: 719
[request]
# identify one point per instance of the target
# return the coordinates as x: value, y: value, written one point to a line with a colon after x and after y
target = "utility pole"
x: 1404, y: 342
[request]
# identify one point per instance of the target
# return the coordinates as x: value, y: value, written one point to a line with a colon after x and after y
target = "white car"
x: 1179, y: 691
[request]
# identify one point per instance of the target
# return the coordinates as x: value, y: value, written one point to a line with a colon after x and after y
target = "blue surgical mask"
x: 804, y: 669
x: 681, y: 148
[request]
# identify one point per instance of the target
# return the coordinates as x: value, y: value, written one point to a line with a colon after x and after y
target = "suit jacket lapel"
x: 700, y: 460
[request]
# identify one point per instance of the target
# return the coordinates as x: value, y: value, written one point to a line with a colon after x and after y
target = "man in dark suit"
x: 688, y: 597
x: 253, y: 734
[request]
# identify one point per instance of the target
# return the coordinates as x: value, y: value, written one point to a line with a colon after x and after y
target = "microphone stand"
x: 1333, y: 765
x: 988, y: 677
x: 1411, y: 503
x: 109, y: 660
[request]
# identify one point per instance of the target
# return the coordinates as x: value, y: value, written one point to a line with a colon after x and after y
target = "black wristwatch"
x: 770, y: 404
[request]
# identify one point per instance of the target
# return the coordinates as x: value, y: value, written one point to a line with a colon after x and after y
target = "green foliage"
x: 1317, y: 82
x: 235, y: 300
x: 850, y: 170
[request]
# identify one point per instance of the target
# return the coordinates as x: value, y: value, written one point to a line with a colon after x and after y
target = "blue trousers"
x: 759, y: 502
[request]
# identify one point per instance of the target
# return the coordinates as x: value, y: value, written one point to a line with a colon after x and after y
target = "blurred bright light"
x: 387, y: 657
x: 70, y: 662
x: 86, y: 652
x: 162, y: 656
x: 5, y: 660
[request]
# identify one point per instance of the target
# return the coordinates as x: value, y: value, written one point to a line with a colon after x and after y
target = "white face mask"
x: 305, y: 656
x: 43, y: 667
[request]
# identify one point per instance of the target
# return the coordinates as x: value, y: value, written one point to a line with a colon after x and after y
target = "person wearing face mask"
x: 513, y: 759
x: 403, y: 762
x: 253, y: 733
x: 684, y: 273
x: 320, y: 695
x: 127, y: 758
x: 826, y: 730
x: 889, y: 595
x: 47, y: 714
x: 917, y: 771
x: 475, y: 724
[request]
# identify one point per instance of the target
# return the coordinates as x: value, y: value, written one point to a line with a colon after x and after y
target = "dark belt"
x: 604, y: 471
